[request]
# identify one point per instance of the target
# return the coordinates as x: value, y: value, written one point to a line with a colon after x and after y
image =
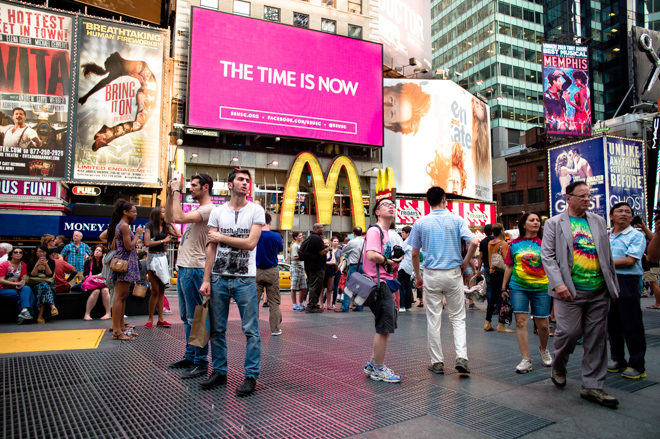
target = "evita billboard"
x: 266, y: 78
x: 567, y: 94
x: 113, y: 85
x: 613, y: 168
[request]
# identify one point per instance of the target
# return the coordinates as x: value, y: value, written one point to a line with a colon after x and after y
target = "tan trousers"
x: 269, y: 279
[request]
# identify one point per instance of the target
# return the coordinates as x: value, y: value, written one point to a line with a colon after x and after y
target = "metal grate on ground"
x: 311, y: 385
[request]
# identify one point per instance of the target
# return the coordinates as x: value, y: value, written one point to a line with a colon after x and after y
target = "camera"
x: 636, y: 221
x: 397, y: 252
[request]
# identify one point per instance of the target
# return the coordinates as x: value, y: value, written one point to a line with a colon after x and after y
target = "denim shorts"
x: 539, y: 301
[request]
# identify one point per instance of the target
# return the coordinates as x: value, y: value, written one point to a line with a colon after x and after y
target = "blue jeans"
x: 187, y: 287
x: 24, y: 297
x: 244, y: 292
x: 539, y: 301
x: 346, y: 303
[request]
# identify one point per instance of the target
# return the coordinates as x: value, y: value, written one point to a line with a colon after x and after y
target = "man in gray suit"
x: 578, y: 261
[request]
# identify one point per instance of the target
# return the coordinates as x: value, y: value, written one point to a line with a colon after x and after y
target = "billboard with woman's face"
x: 437, y: 134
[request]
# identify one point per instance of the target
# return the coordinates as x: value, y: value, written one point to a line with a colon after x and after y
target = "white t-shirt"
x: 230, y: 261
x: 21, y: 138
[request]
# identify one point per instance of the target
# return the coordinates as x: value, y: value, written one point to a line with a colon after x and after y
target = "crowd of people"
x: 569, y: 272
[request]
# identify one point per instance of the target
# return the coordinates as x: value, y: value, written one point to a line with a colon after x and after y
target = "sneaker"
x: 167, y: 311
x: 368, y: 369
x: 402, y: 310
x: 473, y: 307
x: 265, y: 305
x: 438, y: 368
x: 296, y: 307
x: 558, y: 377
x: 25, y: 314
x: 302, y: 307
x: 462, y: 365
x: 383, y: 373
x: 616, y: 366
x: 524, y: 366
x: 546, y: 358
x: 633, y: 374
x: 247, y: 387
x: 163, y: 324
x: 600, y: 396
x: 276, y: 332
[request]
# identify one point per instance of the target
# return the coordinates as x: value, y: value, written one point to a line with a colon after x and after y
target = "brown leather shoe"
x: 339, y: 310
x: 313, y: 310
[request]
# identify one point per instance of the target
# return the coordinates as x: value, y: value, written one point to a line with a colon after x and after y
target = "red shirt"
x: 62, y: 268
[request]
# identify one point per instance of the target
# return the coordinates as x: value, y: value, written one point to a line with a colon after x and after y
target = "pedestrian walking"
x: 499, y: 248
x: 405, y: 273
x: 440, y: 235
x: 268, y: 274
x: 625, y: 327
x: 526, y: 283
x: 578, y: 260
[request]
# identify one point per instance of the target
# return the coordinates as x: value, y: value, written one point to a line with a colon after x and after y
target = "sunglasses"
x: 17, y: 252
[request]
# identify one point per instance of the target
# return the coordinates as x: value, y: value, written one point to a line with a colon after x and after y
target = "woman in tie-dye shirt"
x: 528, y: 285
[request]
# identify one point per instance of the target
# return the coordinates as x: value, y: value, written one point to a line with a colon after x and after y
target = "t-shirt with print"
x: 294, y: 252
x: 525, y: 257
x: 373, y: 242
x: 192, y: 250
x: 230, y: 261
x: 586, y: 272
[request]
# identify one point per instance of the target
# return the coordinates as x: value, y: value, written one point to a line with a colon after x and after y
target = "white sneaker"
x: 276, y: 333
x: 402, y: 310
x: 385, y: 374
x: 546, y: 358
x: 167, y: 311
x: 524, y: 366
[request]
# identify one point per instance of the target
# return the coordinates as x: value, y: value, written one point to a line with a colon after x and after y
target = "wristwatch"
x: 176, y: 190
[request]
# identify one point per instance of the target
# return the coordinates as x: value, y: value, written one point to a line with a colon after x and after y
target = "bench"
x: 72, y: 305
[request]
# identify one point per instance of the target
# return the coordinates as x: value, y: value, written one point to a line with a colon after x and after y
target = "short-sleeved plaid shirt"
x: 76, y: 255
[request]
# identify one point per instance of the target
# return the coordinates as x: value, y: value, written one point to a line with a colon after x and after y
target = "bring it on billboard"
x: 566, y: 97
x: 259, y: 77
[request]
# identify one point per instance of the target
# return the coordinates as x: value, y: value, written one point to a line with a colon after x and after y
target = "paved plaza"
x: 312, y: 385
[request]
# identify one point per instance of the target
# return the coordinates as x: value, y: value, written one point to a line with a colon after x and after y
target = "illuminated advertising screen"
x: 405, y: 31
x: 567, y: 94
x: 614, y: 169
x: 118, y: 138
x: 260, y: 77
x: 437, y: 134
x: 35, y: 58
x: 478, y: 215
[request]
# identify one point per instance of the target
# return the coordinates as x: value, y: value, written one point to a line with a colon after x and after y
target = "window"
x: 355, y: 6
x: 241, y: 7
x: 329, y: 26
x: 271, y: 14
x: 504, y: 8
x: 516, y: 11
x: 514, y: 198
x: 539, y: 173
x: 329, y: 3
x: 514, y: 178
x: 355, y: 31
x: 212, y: 4
x: 300, y: 20
x: 535, y: 195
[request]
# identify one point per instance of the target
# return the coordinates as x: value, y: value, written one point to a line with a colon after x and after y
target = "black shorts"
x: 384, y: 310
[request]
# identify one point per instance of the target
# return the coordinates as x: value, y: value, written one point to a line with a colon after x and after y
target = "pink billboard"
x: 267, y: 78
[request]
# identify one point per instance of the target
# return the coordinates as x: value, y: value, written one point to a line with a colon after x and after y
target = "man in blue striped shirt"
x: 624, y: 321
x: 440, y: 234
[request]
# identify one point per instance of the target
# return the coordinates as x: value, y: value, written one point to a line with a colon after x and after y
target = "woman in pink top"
x: 12, y: 284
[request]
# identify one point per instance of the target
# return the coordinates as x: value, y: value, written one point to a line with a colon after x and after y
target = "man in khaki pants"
x: 268, y: 274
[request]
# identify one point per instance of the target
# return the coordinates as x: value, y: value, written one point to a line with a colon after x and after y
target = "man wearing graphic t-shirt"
x: 230, y: 272
x: 578, y: 260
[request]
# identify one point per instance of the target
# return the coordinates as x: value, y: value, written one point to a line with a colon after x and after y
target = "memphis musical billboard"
x: 260, y: 77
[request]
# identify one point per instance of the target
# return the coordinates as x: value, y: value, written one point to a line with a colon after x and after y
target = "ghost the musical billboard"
x: 566, y: 97
x: 119, y: 104
x: 35, y: 76
x: 437, y: 134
